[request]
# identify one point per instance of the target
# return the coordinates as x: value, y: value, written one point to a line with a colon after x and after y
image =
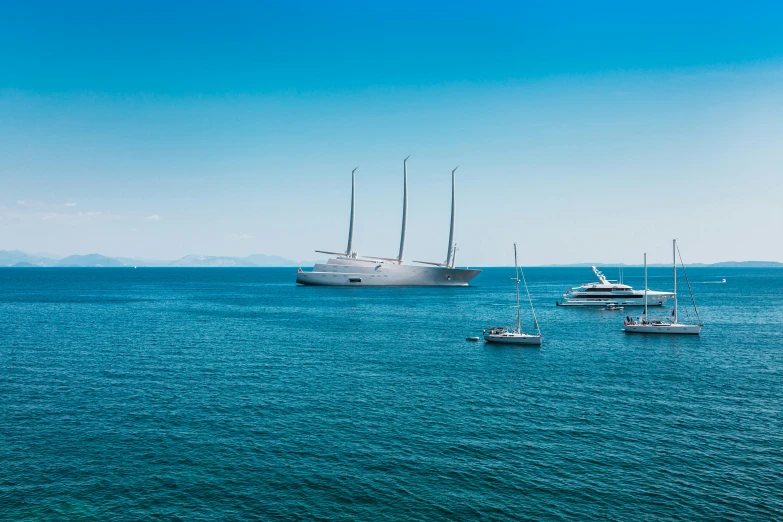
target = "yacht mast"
x: 451, y: 228
x: 674, y: 267
x: 645, y: 286
x: 349, y: 250
x: 404, y: 209
x: 516, y: 280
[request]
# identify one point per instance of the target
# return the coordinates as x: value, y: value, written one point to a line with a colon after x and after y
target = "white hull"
x: 665, y: 328
x: 344, y: 271
x: 513, y: 338
x: 653, y: 299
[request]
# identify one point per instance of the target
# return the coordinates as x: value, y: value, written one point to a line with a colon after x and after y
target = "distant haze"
x: 581, y: 131
x: 17, y: 258
x: 22, y: 259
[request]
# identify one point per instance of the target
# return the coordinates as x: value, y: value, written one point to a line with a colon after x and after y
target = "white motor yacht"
x: 607, y: 291
x: 350, y: 269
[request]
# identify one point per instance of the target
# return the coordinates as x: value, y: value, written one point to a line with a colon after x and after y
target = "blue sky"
x: 585, y: 133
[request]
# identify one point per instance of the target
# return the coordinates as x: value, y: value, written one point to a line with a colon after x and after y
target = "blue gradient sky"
x: 586, y: 133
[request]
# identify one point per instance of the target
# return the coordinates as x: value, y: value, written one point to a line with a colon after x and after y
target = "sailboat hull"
x: 666, y: 328
x: 360, y: 272
x: 513, y: 338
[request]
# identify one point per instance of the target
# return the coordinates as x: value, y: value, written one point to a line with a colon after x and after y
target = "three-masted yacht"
x: 505, y: 335
x: 350, y: 269
x: 671, y: 325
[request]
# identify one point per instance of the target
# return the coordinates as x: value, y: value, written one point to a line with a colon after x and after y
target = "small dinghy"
x: 474, y: 338
x: 612, y: 307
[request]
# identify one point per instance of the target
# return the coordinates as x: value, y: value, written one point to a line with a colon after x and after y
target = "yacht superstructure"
x: 349, y: 269
x: 607, y: 291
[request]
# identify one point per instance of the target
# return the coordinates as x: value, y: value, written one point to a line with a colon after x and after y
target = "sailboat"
x: 665, y: 326
x: 504, y: 335
x: 348, y: 268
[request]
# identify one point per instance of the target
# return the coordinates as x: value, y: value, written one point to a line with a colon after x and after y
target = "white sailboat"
x: 645, y: 324
x: 350, y: 269
x: 504, y: 335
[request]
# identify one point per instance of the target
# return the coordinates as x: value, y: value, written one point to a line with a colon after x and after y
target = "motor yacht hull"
x: 513, y: 338
x: 666, y: 328
x: 360, y: 272
x: 653, y: 299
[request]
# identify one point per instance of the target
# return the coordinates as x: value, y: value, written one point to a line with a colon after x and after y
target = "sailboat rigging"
x: 665, y: 326
x: 348, y: 268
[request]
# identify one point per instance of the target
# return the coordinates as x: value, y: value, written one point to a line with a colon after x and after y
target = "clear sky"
x: 584, y: 131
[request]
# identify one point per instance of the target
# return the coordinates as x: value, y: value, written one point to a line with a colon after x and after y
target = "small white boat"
x: 505, y: 335
x: 645, y: 324
x: 473, y: 338
x: 723, y: 280
x: 501, y: 334
x: 613, y: 307
x: 662, y: 327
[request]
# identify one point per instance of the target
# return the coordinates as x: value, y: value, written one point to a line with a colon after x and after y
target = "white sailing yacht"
x: 665, y: 325
x: 502, y: 334
x: 350, y: 269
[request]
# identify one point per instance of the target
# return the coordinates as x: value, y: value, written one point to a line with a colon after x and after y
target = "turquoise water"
x: 234, y: 394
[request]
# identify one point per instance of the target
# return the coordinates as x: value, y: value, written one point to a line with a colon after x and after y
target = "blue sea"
x: 232, y: 394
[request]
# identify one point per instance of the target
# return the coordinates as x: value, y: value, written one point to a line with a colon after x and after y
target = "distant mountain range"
x: 18, y: 258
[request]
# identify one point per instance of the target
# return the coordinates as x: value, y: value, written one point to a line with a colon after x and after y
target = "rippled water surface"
x: 233, y: 393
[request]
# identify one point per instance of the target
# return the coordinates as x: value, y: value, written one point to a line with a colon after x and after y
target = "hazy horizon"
x: 580, y: 132
x: 269, y: 260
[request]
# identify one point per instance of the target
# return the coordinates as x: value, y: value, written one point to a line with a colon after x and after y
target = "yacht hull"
x: 653, y: 299
x: 665, y: 329
x: 530, y: 340
x: 356, y: 272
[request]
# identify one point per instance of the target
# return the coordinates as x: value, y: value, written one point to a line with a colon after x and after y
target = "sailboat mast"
x: 451, y: 227
x: 404, y: 208
x: 516, y: 281
x: 674, y: 268
x: 645, y: 285
x: 349, y: 250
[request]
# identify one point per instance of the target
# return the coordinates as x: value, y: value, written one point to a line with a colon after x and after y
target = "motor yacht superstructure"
x: 350, y: 269
x: 606, y: 291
